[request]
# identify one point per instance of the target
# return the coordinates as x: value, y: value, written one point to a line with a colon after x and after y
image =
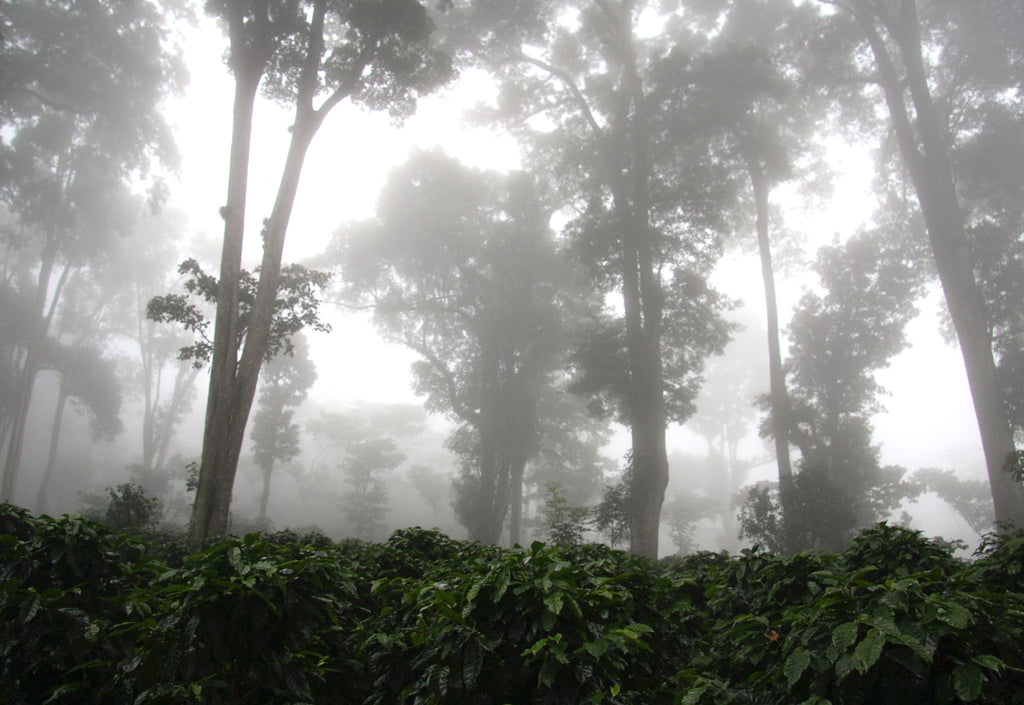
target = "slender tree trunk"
x: 150, y: 400
x: 42, y: 498
x: 233, y: 386
x: 265, y: 493
x: 625, y: 144
x: 924, y: 145
x: 776, y: 375
x: 487, y: 525
x: 184, y: 379
x: 515, y: 521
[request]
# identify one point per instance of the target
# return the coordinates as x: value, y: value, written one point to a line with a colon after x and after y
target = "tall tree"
x: 913, y: 63
x: 750, y: 96
x: 80, y: 99
x: 375, y: 53
x: 576, y: 80
x: 460, y: 267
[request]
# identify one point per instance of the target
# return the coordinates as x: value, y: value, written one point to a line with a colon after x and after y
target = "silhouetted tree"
x: 88, y: 380
x: 641, y: 220
x: 746, y: 96
x: 460, y: 267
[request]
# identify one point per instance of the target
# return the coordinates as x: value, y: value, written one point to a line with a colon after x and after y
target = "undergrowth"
x: 91, y: 615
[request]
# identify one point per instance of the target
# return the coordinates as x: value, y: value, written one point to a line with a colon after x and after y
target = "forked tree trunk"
x: 225, y: 432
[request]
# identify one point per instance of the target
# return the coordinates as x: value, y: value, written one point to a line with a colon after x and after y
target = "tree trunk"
x: 42, y: 498
x: 150, y: 389
x: 184, y: 378
x: 265, y: 494
x: 215, y: 476
x: 487, y: 525
x: 643, y: 301
x: 926, y: 154
x: 776, y: 374
x: 515, y: 521
x: 229, y: 425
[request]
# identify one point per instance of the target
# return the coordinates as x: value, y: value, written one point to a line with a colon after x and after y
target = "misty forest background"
x: 568, y: 308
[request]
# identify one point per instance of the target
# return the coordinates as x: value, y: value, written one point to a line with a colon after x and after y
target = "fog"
x: 918, y: 408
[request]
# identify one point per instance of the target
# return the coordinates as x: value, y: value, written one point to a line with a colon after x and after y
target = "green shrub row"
x: 89, y: 615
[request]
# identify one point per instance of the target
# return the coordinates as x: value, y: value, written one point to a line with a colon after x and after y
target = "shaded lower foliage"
x: 91, y: 616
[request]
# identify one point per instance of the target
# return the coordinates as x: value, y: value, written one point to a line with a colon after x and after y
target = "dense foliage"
x: 91, y: 615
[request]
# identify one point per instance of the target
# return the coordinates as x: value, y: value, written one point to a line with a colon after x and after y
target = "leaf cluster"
x: 295, y: 308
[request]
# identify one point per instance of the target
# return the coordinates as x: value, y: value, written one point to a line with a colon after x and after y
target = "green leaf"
x: 554, y: 603
x: 501, y: 584
x: 954, y: 615
x: 595, y: 648
x: 235, y: 559
x: 693, y: 695
x: 967, y: 682
x: 992, y: 663
x: 548, y: 671
x: 795, y: 665
x: 844, y: 635
x: 869, y: 649
x: 547, y: 620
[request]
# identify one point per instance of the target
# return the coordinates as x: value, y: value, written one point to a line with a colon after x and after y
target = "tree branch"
x: 451, y: 386
x: 565, y: 78
x: 56, y: 105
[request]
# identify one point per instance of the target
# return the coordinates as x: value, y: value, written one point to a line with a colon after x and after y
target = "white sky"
x: 929, y: 419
